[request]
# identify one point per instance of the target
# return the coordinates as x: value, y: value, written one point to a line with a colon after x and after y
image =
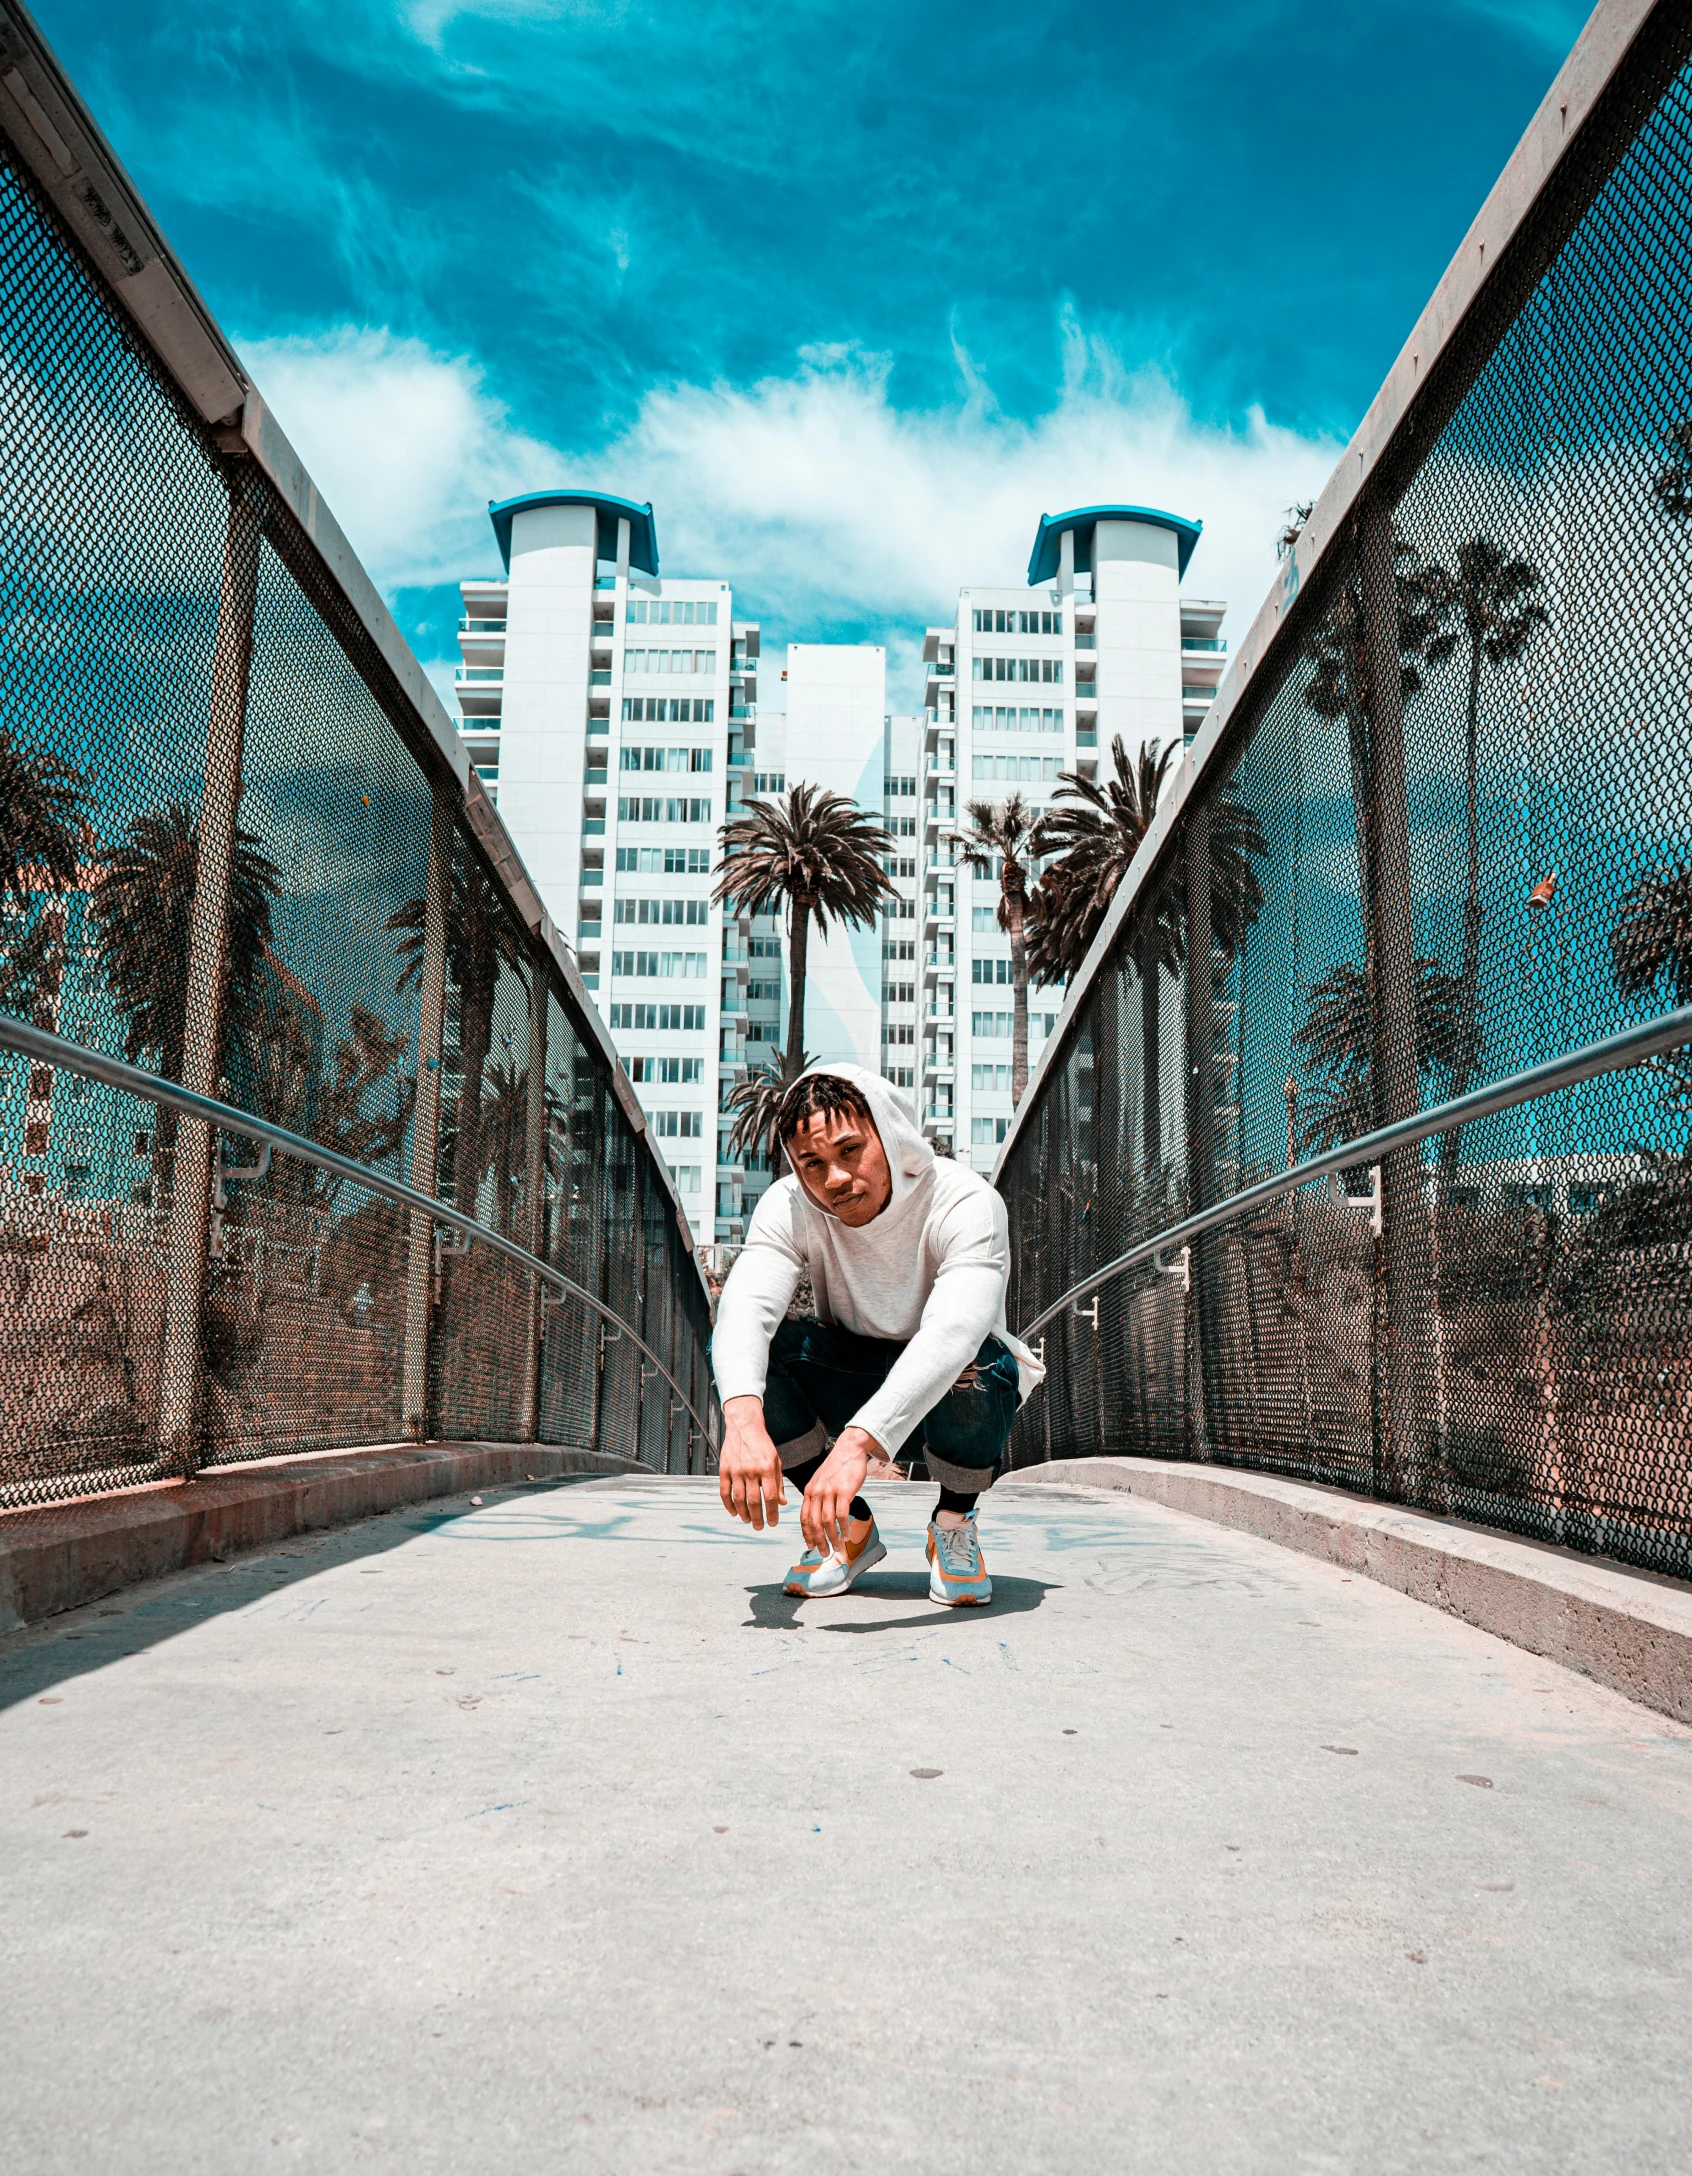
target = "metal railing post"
x: 534, y: 1178
x: 1203, y: 1371
x: 182, y: 1374
x: 426, y: 1133
x: 1403, y: 1241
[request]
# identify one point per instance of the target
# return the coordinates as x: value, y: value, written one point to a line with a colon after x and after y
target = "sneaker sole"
x: 960, y: 1601
x: 872, y: 1555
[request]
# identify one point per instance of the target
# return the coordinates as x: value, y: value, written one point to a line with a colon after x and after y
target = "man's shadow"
x: 774, y: 1611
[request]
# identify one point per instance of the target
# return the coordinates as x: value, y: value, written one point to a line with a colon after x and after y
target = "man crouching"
x: 907, y: 1255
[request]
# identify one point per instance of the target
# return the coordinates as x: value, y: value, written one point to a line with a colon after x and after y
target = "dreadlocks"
x: 826, y: 1093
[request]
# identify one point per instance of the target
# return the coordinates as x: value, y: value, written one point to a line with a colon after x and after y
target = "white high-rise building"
x: 611, y: 712
x: 1028, y: 683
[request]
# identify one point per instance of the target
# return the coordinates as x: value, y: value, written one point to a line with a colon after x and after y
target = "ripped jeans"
x: 820, y: 1376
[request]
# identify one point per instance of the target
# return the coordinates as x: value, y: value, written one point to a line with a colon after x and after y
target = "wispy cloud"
x: 834, y: 512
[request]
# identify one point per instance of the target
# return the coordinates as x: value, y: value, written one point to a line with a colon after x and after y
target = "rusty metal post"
x: 426, y: 1132
x: 1204, y: 1372
x: 1390, y: 911
x: 181, y: 1378
x: 534, y: 1179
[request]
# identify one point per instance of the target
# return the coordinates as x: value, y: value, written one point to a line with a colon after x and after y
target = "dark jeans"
x: 821, y: 1376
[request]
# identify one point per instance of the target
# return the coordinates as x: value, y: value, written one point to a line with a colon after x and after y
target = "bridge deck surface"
x: 549, y: 1834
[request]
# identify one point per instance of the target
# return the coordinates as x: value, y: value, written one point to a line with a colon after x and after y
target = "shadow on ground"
x: 774, y: 1611
x: 40, y: 1656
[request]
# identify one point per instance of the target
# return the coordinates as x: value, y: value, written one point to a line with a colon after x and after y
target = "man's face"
x: 838, y: 1159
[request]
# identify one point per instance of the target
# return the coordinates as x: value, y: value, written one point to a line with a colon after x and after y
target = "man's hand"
x: 749, y: 1467
x: 827, y: 1505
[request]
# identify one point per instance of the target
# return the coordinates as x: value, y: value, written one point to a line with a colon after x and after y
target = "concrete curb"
x: 61, y: 1555
x: 1630, y: 1630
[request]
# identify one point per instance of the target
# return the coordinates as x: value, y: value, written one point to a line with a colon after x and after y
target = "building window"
x: 693, y: 662
x: 899, y: 864
x: 649, y: 808
x: 990, y: 971
x: 763, y: 993
x: 663, y: 861
x: 677, y: 1125
x: 665, y: 759
x: 1026, y: 768
x: 665, y: 1019
x: 900, y: 1035
x: 902, y: 1076
x: 984, y: 918
x: 899, y: 910
x: 689, y: 913
x: 764, y: 948
x: 902, y: 827
x: 993, y: 1024
x: 1008, y: 718
x: 689, y: 966
x: 898, y: 948
x: 686, y: 1177
x: 987, y: 1132
x: 893, y: 788
x: 670, y: 1071
x: 1047, y: 669
x: 669, y: 709
x: 769, y: 781
x: 1002, y: 620
x: 900, y: 993
x: 995, y: 1077
x: 671, y: 612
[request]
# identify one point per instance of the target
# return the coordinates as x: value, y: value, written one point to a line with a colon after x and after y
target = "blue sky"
x: 853, y: 294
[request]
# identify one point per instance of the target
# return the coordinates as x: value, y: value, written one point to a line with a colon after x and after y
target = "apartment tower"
x: 1026, y: 684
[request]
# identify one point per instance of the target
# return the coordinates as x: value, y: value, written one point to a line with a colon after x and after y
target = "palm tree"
x: 1000, y: 840
x: 43, y: 824
x: 1653, y: 937
x: 1653, y: 934
x: 816, y: 853
x: 1096, y: 831
x: 1489, y: 595
x: 756, y: 1103
x: 504, y: 1139
x: 480, y: 940
x: 1337, y: 1039
x: 141, y: 913
x: 1672, y: 486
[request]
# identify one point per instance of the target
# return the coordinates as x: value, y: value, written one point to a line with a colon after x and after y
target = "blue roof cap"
x: 643, y: 530
x: 1043, y: 560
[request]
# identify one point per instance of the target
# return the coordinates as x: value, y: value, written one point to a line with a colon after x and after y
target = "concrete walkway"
x: 548, y: 1834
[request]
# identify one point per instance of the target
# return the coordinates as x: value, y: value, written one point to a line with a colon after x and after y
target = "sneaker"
x: 957, y: 1577
x: 818, y: 1574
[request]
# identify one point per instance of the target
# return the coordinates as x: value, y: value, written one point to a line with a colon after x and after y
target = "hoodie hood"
x: 910, y: 1159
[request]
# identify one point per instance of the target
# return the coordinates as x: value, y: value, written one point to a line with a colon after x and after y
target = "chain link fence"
x: 233, y: 853
x: 1443, y: 834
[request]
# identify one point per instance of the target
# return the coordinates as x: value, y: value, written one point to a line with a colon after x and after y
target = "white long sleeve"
x: 928, y: 1273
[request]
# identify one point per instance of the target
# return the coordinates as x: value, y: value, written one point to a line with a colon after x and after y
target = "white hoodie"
x: 930, y: 1270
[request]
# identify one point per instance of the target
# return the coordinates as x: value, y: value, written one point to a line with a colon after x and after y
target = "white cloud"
x: 830, y: 509
x: 406, y: 445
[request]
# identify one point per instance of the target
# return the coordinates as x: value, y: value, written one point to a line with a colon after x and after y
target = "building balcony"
x: 593, y: 827
x: 593, y: 879
x: 1086, y: 642
x: 597, y: 679
x: 1210, y: 643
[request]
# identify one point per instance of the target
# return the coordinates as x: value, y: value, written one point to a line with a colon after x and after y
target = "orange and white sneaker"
x: 817, y: 1574
x: 957, y: 1577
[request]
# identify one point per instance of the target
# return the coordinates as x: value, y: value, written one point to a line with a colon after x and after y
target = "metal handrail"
x: 33, y: 1042
x: 1609, y: 1055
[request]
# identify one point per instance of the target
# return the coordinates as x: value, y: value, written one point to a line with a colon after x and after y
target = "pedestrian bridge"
x: 465, y: 1791
x: 547, y: 1832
